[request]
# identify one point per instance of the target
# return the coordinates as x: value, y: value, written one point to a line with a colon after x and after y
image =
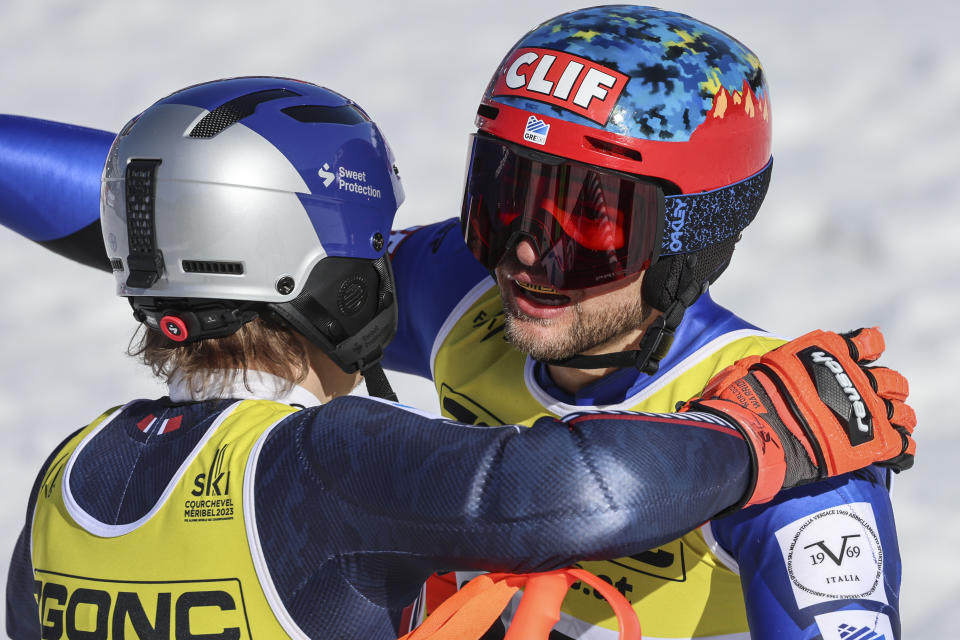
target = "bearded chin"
x: 517, y: 331
x: 586, y: 331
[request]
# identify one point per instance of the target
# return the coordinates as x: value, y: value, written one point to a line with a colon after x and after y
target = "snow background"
x: 857, y: 229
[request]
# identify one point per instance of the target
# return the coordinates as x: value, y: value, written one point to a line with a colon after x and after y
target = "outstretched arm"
x: 398, y: 495
x: 50, y: 185
x: 411, y: 494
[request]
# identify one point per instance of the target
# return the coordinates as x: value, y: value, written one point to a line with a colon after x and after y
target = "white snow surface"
x: 857, y: 230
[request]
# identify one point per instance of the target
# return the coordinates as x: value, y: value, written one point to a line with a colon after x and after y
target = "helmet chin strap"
x: 377, y: 383
x: 654, y: 344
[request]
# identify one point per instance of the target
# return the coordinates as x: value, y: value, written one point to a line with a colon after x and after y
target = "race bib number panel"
x: 82, y: 607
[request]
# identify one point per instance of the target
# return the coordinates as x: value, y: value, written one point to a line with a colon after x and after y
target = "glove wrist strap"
x: 766, y: 450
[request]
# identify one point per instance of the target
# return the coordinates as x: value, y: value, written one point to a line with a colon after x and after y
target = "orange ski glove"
x: 812, y: 409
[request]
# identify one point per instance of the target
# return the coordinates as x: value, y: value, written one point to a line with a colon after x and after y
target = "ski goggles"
x: 588, y: 225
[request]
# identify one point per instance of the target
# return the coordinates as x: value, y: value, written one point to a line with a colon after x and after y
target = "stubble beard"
x: 588, y: 329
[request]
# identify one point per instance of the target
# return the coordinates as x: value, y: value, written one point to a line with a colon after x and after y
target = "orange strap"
x: 469, y: 613
x: 438, y: 589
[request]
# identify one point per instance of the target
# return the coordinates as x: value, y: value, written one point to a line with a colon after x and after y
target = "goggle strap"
x: 697, y: 221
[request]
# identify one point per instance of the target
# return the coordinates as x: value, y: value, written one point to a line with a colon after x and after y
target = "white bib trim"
x: 253, y: 540
x: 98, y: 528
x: 722, y: 555
x: 458, y: 311
x: 560, y: 408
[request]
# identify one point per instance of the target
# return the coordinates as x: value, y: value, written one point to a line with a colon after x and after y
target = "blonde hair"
x: 208, y: 366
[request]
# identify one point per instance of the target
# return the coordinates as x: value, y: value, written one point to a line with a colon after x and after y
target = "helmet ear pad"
x: 671, y: 275
x: 347, y: 308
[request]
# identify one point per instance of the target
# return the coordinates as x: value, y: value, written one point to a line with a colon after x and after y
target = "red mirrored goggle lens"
x: 588, y: 225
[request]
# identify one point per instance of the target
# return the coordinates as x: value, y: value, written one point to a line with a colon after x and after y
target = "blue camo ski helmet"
x: 626, y: 89
x: 651, y: 93
x: 234, y: 194
x: 637, y: 89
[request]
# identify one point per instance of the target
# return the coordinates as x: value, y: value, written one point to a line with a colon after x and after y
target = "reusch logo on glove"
x: 839, y: 393
x: 570, y: 82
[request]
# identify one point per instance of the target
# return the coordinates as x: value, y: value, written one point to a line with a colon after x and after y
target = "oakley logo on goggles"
x: 590, y: 225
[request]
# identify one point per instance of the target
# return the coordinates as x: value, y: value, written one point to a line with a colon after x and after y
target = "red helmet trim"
x: 733, y: 143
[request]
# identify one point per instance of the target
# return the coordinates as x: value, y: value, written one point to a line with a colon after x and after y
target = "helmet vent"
x: 145, y: 261
x: 210, y: 266
x: 116, y: 264
x: 488, y: 112
x: 235, y: 110
x: 347, y: 114
x: 613, y: 149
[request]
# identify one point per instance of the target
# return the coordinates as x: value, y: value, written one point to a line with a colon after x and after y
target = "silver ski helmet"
x: 234, y: 194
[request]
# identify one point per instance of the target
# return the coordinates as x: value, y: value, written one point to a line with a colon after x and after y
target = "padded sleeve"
x: 361, y: 497
x: 434, y: 270
x: 820, y: 561
x: 50, y: 185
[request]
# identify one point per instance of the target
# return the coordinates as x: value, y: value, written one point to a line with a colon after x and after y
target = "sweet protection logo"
x: 349, y: 180
x: 324, y: 172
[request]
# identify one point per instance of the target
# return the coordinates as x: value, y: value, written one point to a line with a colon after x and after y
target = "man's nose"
x: 526, y: 253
